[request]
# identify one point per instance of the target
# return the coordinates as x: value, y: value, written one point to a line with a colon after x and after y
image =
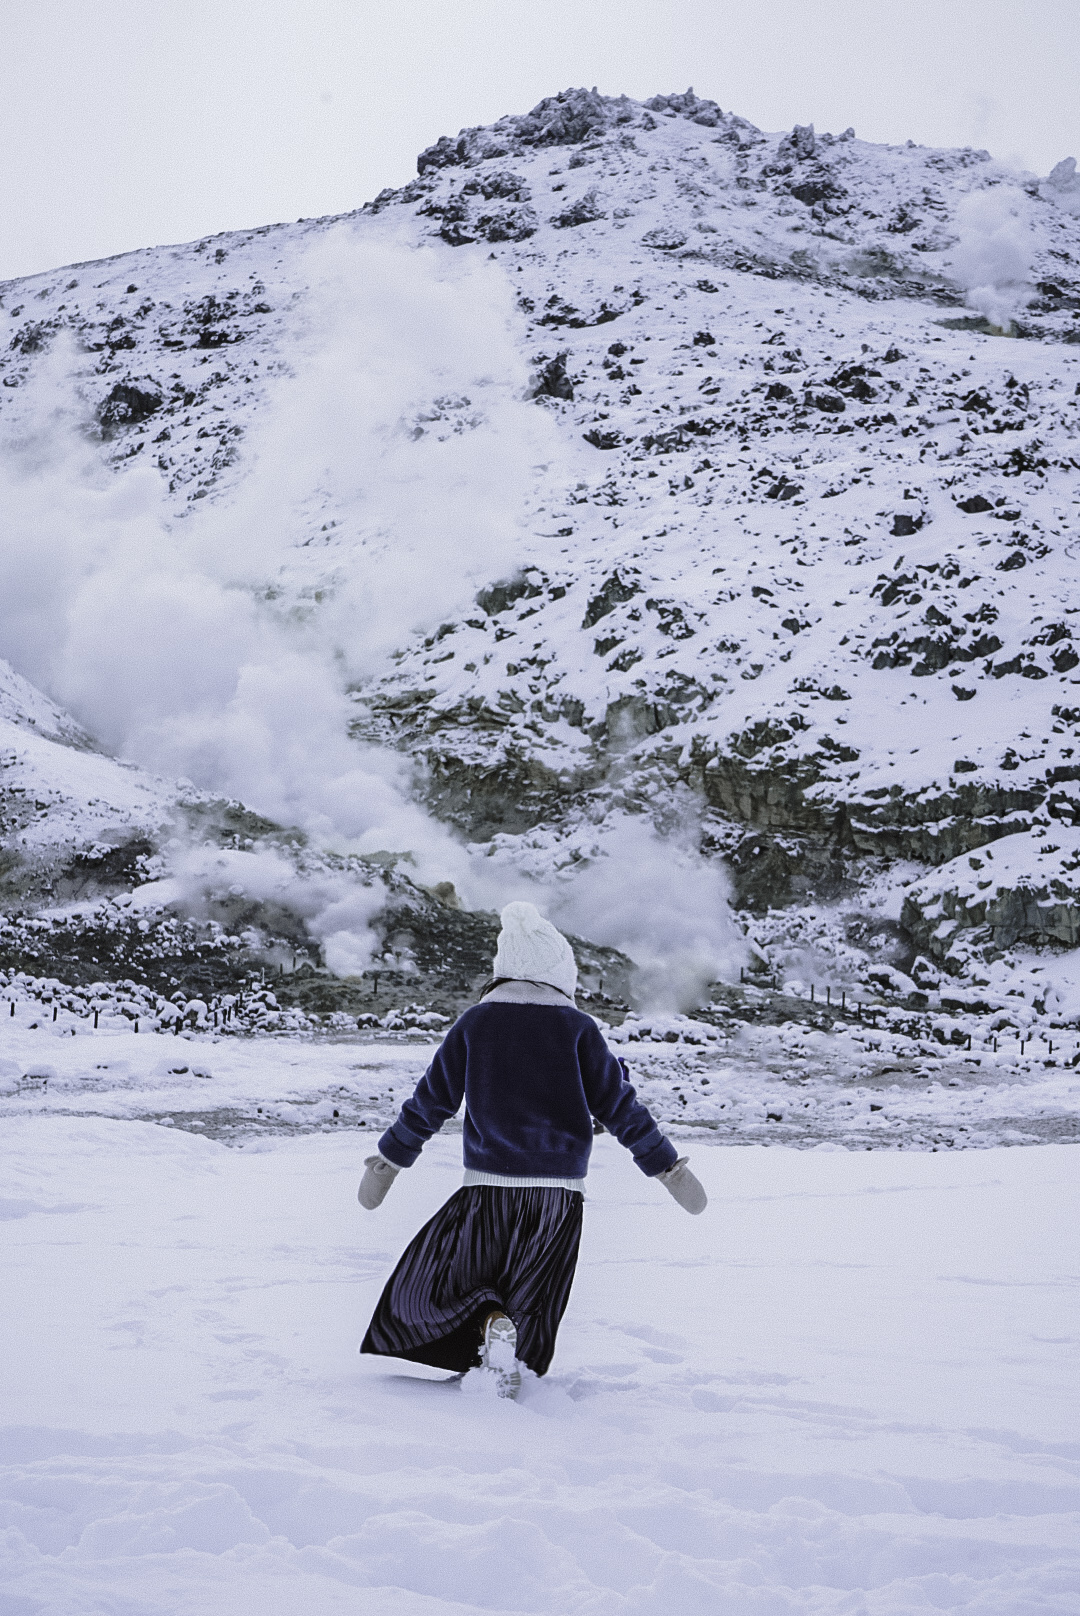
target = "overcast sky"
x: 127, y: 123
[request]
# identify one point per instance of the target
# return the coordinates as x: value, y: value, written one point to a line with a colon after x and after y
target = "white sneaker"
x: 500, y: 1354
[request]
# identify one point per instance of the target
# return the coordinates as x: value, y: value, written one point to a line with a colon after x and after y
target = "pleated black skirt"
x: 514, y: 1249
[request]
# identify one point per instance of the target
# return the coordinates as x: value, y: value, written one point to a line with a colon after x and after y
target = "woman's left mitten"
x: 687, y: 1190
x: 377, y: 1179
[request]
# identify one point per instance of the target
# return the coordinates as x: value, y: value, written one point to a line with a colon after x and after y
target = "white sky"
x: 127, y: 123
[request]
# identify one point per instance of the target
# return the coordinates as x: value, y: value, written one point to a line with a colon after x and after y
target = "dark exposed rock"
x: 760, y: 784
x: 570, y: 117
x: 445, y: 153
x: 1019, y: 460
x: 630, y: 718
x: 816, y: 188
x: 584, y: 211
x: 614, y: 591
x: 501, y: 184
x: 491, y: 787
x: 938, y: 828
x: 33, y: 337
x: 557, y: 312
x: 507, y: 224
x: 566, y: 119
x: 770, y: 871
x: 768, y: 793
x: 126, y: 404
x: 206, y: 320
x: 1023, y: 663
x: 831, y: 403
x: 465, y: 222
x: 689, y: 106
x: 973, y: 506
x: 903, y: 221
x: 801, y: 144
x: 499, y: 596
x: 550, y: 379
x: 103, y: 870
x: 683, y: 436
x: 852, y: 380
x: 670, y: 619
x: 1032, y: 912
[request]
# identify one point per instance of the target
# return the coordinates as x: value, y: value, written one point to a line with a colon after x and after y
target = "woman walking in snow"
x: 486, y: 1281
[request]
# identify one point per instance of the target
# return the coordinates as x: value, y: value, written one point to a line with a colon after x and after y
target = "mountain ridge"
x: 836, y: 634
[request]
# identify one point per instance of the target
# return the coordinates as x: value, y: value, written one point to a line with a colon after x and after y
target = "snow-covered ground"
x: 788, y: 1084
x: 848, y: 1387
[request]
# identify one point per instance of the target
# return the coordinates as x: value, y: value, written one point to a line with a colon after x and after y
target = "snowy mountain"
x: 629, y: 467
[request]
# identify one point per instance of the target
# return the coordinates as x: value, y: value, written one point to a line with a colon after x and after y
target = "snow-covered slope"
x: 794, y: 547
x: 68, y: 814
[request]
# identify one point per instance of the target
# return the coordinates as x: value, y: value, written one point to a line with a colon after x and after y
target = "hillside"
x: 630, y: 467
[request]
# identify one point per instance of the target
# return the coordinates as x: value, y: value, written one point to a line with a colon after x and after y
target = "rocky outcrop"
x: 565, y: 119
x: 770, y: 794
x: 935, y: 826
x: 1024, y: 889
x: 493, y: 207
x: 771, y: 788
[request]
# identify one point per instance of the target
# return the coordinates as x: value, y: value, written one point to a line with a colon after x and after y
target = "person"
x: 485, y: 1283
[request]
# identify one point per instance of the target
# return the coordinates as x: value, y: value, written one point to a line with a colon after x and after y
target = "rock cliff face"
x: 799, y: 553
x: 1022, y: 889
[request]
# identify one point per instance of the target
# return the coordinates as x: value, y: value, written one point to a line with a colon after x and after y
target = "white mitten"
x: 687, y: 1190
x: 376, y: 1181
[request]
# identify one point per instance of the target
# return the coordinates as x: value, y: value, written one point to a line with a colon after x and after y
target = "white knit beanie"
x: 531, y: 950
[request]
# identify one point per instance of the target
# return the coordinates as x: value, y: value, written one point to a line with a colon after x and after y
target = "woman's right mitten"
x: 687, y: 1190
x: 376, y: 1181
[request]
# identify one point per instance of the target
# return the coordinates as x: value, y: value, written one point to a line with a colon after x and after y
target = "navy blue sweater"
x: 532, y: 1077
